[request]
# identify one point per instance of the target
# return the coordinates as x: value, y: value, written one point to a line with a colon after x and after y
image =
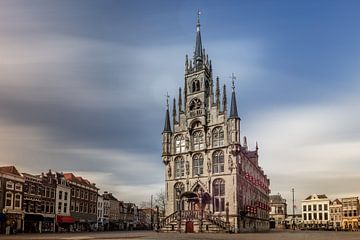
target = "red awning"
x: 65, y: 219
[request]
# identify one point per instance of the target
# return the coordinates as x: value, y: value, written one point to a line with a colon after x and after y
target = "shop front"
x: 32, y: 222
x: 64, y: 223
x: 13, y: 223
x: 48, y: 224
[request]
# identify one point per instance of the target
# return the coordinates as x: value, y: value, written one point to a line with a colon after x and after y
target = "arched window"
x: 179, y: 188
x: 198, y: 163
x: 219, y: 195
x: 218, y: 137
x: 218, y: 162
x: 198, y: 140
x: 179, y: 144
x: 195, y: 85
x: 195, y: 104
x: 9, y: 199
x: 179, y: 167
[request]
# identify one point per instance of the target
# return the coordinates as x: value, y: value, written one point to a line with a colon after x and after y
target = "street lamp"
x: 157, y: 218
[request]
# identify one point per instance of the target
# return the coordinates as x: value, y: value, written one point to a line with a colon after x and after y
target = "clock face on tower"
x: 195, y: 104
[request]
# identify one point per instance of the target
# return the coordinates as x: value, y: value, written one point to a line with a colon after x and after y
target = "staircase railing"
x: 169, y: 219
x: 215, y: 220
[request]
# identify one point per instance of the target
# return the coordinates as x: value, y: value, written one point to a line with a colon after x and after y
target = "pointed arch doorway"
x: 196, y: 201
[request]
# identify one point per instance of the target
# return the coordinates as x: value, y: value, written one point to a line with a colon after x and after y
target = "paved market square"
x: 149, y: 235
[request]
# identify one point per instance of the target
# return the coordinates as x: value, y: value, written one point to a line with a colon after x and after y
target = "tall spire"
x: 224, y: 99
x: 180, y: 101
x: 167, y: 126
x: 217, y: 93
x: 198, y: 54
x: 174, y: 112
x: 233, y: 107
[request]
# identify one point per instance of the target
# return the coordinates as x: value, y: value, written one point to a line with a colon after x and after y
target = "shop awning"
x: 2, y: 217
x: 65, y: 219
x: 33, y: 217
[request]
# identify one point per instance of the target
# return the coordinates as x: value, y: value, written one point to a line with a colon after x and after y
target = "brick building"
x: 83, y: 202
x: 11, y: 199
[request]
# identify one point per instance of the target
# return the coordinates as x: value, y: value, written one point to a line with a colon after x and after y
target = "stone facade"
x: 207, y: 168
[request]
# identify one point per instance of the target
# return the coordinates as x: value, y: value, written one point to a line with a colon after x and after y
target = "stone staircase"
x: 210, y: 223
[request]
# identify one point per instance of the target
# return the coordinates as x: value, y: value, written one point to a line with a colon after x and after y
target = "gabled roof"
x: 336, y: 201
x: 10, y: 170
x: 316, y: 196
x: 71, y: 177
x: 276, y: 199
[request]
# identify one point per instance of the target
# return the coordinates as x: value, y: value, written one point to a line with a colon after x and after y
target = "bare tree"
x: 160, y: 202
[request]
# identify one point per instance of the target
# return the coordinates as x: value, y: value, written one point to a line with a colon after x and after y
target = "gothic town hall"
x: 213, y: 181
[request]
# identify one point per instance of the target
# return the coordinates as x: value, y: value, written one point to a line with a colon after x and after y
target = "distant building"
x: 145, y: 218
x: 278, y: 210
x: 114, y: 213
x: 32, y: 204
x: 64, y: 221
x: 106, y: 214
x: 315, y: 211
x: 49, y: 183
x: 83, y: 202
x: 100, y: 213
x: 336, y: 214
x: 11, y: 199
x: 350, y: 213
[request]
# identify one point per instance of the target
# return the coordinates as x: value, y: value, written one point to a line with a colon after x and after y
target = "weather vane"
x: 233, y: 78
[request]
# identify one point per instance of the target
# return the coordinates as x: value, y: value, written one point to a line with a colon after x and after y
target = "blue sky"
x: 83, y: 84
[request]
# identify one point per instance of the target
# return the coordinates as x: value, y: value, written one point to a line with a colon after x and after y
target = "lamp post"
x: 201, y: 213
x: 151, y: 213
x: 157, y: 218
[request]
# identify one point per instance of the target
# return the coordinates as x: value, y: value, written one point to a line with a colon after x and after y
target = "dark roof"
x: 233, y: 107
x: 319, y: 196
x: 167, y: 126
x: 79, y: 180
x: 10, y: 170
x: 109, y: 196
x: 277, y: 199
x: 336, y: 201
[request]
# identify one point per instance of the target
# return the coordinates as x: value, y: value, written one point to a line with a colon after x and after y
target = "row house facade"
x: 83, y: 202
x: 100, y: 213
x: 49, y: 183
x: 33, y: 204
x: 55, y: 201
x: 64, y: 221
x: 209, y: 173
x: 11, y: 199
x: 350, y: 213
x: 278, y: 210
x: 114, y: 211
x: 315, y: 211
x: 336, y: 214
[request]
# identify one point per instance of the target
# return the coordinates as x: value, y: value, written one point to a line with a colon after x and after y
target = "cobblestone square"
x: 148, y: 235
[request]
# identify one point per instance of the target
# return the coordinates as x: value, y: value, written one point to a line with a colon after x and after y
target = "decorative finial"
x: 233, y: 78
x: 167, y: 100
x: 198, y: 20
